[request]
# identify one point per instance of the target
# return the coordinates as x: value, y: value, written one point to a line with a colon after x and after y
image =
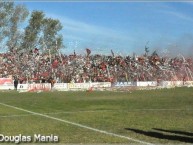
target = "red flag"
x: 88, y: 51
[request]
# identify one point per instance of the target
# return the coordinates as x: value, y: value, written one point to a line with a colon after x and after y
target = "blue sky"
x: 124, y: 27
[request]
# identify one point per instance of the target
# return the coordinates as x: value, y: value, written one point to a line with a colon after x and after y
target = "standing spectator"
x: 16, y: 83
x: 51, y: 80
x: 43, y: 80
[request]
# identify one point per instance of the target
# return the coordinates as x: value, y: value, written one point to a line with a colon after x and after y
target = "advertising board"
x: 60, y: 86
x: 123, y: 84
x: 39, y: 87
x: 6, y: 84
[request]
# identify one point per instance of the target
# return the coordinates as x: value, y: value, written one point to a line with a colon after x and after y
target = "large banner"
x: 6, y: 84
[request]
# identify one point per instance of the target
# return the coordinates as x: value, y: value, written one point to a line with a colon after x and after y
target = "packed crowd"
x: 33, y: 66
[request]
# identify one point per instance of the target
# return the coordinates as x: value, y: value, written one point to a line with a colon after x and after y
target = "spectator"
x: 16, y: 83
x: 95, y: 68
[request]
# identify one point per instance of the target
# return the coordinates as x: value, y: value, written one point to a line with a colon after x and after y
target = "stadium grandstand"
x: 36, y: 67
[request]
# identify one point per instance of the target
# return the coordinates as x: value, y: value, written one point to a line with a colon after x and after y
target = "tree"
x: 31, y: 39
x: 19, y: 15
x: 11, y: 17
x: 6, y: 9
x: 40, y: 31
x: 50, y: 34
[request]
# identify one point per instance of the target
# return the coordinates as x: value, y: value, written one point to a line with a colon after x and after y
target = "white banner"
x: 7, y: 87
x: 78, y: 85
x: 123, y: 84
x: 89, y: 85
x: 60, y: 86
x: 6, y: 84
x: 146, y: 84
x: 101, y: 85
x: 178, y: 83
x: 39, y: 87
x: 22, y: 87
x: 172, y: 83
x: 188, y: 83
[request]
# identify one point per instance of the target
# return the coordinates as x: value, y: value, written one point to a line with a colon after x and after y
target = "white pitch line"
x: 79, y: 125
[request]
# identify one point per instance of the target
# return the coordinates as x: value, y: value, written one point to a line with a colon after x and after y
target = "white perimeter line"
x: 79, y: 125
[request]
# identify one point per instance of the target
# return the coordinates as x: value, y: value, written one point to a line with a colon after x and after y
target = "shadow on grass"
x: 163, y: 136
x: 175, y: 132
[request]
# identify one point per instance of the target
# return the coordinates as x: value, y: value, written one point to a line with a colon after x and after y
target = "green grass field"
x: 140, y: 117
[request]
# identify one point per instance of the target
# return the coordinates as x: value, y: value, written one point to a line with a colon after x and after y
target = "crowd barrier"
x: 61, y: 86
x: 137, y: 84
x: 153, y: 84
x: 80, y: 86
x: 7, y: 84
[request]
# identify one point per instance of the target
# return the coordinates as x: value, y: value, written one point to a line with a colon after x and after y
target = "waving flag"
x: 112, y: 53
x: 88, y: 51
